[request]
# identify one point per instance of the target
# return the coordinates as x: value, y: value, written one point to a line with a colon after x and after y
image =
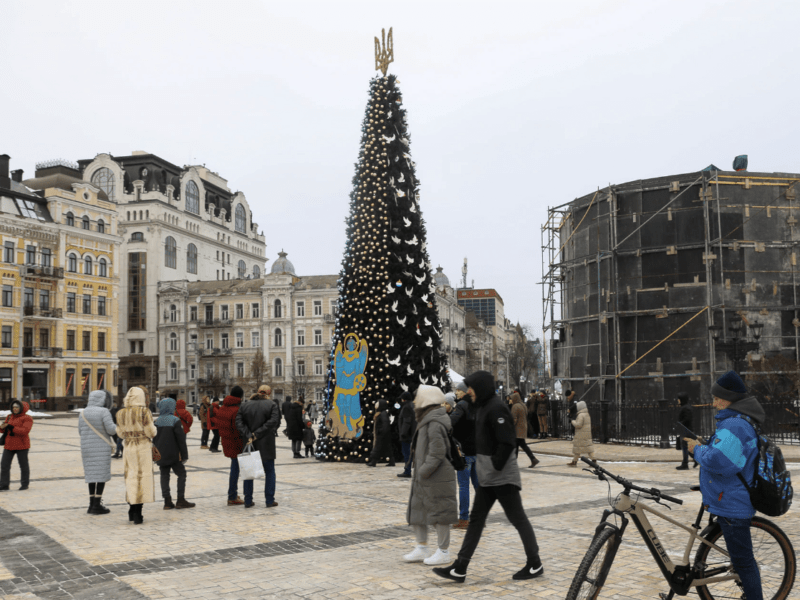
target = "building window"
x: 240, y: 311
x: 85, y: 224
x: 317, y: 308
x: 241, y: 219
x: 209, y: 341
x: 301, y: 337
x: 101, y: 306
x: 87, y: 341
x: 27, y: 297
x: 70, y: 302
x: 334, y: 306
x: 87, y: 265
x: 101, y: 226
x: 278, y: 338
x: 8, y: 252
x: 71, y: 339
x: 224, y: 341
x: 173, y: 342
x: 301, y: 367
x: 191, y: 259
x: 170, y: 253
x: 137, y: 236
x: 317, y: 366
x: 209, y: 313
x: 70, y: 219
x: 47, y: 259
x: 104, y: 179
x: 69, y: 383
x: 8, y: 294
x: 101, y: 379
x: 72, y: 263
x: 278, y: 367
x: 240, y: 369
x: 173, y: 371
x: 256, y: 272
x: 173, y: 313
x: 223, y: 312
x: 192, y: 198
x: 255, y: 310
x: 102, y: 268
x: 255, y: 339
x: 44, y: 299
x: 239, y: 339
x: 242, y: 273
x: 101, y: 342
x: 318, y: 337
x: 7, y: 336
x: 30, y: 255
x: 192, y: 371
x: 277, y: 312
x: 193, y: 313
x: 137, y: 288
x: 44, y: 338
x: 301, y: 308
x: 87, y: 304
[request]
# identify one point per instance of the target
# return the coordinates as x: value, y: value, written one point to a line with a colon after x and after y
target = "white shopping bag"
x: 250, y: 465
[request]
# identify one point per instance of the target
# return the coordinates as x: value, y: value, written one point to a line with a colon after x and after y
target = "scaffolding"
x: 635, y: 274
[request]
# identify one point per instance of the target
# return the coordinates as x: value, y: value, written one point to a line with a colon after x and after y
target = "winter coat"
x: 212, y: 408
x: 205, y: 403
x: 382, y: 442
x: 463, y: 421
x: 540, y: 405
x: 170, y: 439
x: 294, y: 421
x: 520, y: 416
x: 18, y: 428
x: 582, y: 441
x: 225, y: 420
x: 432, y: 500
x: 495, y: 435
x: 96, y: 451
x: 407, y: 422
x: 686, y: 417
x: 262, y: 419
x: 184, y: 415
x: 135, y: 426
x: 309, y: 437
x: 732, y: 449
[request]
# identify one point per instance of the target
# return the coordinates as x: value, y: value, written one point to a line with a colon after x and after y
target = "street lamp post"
x: 737, y: 347
x: 193, y: 346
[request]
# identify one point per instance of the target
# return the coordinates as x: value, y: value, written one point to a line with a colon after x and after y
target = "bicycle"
x: 711, y: 573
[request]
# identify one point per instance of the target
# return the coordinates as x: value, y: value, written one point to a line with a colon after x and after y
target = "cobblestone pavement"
x: 339, y: 531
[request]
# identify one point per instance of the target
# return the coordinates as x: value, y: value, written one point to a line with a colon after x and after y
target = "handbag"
x: 156, y: 454
x: 102, y: 437
x: 250, y: 465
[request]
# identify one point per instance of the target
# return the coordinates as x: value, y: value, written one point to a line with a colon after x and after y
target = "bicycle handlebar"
x: 629, y: 485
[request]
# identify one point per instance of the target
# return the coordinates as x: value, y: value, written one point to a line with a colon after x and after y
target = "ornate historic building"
x: 453, y: 320
x: 60, y: 287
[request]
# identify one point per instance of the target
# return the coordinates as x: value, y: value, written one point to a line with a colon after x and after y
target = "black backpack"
x: 771, y: 492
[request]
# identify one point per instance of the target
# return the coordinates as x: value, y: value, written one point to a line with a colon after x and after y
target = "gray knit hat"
x: 461, y: 386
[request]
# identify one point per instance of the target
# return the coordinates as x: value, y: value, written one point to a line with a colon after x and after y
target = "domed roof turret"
x: 283, y: 265
x: 440, y: 279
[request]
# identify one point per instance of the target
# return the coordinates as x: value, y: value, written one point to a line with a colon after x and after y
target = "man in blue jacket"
x: 732, y: 450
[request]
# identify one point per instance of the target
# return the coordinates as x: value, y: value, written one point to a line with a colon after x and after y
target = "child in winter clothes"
x: 17, y: 425
x: 308, y: 438
x: 184, y: 415
x: 582, y: 440
x: 171, y: 443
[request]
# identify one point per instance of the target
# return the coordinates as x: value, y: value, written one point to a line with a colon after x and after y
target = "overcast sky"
x: 512, y: 106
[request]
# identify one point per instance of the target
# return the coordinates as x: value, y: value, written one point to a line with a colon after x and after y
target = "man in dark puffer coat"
x: 232, y: 445
x: 498, y: 473
x: 407, y: 425
x: 258, y: 422
x: 171, y: 443
x: 293, y: 413
x: 382, y: 444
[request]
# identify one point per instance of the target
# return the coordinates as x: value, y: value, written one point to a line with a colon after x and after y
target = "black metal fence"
x: 652, y: 422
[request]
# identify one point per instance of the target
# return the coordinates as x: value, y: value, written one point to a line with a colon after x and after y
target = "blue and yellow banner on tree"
x: 345, y: 419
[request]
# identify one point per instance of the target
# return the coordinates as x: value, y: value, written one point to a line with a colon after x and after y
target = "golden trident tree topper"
x: 384, y: 53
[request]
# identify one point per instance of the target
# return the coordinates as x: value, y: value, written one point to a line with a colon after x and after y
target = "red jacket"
x: 225, y: 421
x: 18, y: 439
x: 183, y: 415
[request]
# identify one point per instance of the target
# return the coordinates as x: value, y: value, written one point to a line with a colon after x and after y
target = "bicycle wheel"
x: 594, y: 568
x: 773, y: 552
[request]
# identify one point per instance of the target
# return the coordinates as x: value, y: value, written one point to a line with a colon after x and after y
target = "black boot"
x: 98, y: 508
x: 131, y: 512
x: 684, y: 466
x: 168, y: 505
x: 138, y: 519
x: 91, y: 505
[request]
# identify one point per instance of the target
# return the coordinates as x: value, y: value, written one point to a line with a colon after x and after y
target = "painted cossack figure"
x: 345, y: 419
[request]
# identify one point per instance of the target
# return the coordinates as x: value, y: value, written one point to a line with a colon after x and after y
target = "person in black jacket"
x: 117, y: 439
x: 407, y: 425
x: 171, y: 443
x: 382, y: 444
x: 294, y: 426
x: 463, y: 420
x: 498, y: 472
x: 685, y: 418
x: 258, y: 422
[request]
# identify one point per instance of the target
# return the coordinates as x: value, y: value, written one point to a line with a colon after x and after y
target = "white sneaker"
x: 440, y: 557
x: 417, y: 554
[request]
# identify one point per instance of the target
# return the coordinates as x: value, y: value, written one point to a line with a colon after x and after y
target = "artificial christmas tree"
x: 388, y: 337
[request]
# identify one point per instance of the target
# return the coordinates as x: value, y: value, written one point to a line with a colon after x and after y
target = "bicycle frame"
x: 680, y: 577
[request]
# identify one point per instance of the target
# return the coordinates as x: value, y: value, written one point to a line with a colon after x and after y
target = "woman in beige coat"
x: 135, y: 426
x: 582, y: 441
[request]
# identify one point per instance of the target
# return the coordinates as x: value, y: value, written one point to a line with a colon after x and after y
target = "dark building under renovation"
x: 641, y: 277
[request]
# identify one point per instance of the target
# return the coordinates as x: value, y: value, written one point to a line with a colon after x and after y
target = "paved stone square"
x: 339, y: 531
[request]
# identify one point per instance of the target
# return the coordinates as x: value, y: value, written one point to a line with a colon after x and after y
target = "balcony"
x: 206, y: 352
x: 34, y: 352
x: 41, y: 313
x: 215, y: 323
x: 34, y: 271
x: 329, y: 318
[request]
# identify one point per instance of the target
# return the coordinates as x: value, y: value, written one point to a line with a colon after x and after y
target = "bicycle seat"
x: 694, y: 488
